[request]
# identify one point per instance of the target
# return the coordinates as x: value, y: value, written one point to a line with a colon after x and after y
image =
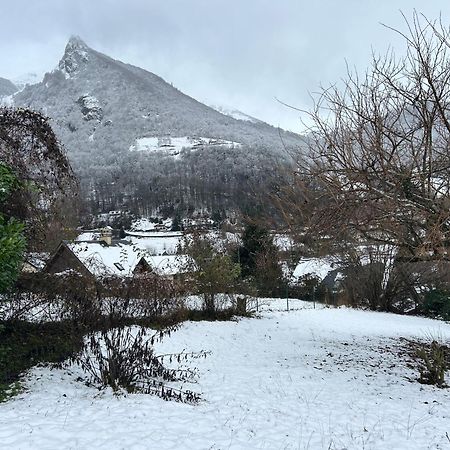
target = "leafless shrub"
x: 145, y: 296
x: 431, y: 358
x: 117, y: 352
x: 90, y: 302
x: 434, y: 362
x: 124, y: 358
x: 29, y: 306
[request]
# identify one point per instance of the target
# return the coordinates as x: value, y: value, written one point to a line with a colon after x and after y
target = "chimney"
x: 106, y: 235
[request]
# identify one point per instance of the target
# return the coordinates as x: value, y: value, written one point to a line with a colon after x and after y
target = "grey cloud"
x: 240, y: 53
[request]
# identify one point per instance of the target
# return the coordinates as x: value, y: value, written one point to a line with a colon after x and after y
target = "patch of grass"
x: 430, y: 358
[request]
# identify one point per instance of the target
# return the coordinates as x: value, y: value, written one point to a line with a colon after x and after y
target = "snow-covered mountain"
x: 7, y: 87
x: 235, y: 113
x: 102, y: 108
x: 89, y: 93
x: 26, y: 79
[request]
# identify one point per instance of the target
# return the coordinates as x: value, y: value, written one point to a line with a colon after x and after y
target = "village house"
x: 106, y: 258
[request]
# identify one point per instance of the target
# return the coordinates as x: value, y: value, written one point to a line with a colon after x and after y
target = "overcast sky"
x: 235, y: 53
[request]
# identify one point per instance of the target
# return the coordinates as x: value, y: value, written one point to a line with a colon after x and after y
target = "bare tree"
x: 378, y: 166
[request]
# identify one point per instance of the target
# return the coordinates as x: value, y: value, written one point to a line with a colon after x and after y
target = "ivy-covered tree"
x: 12, y: 240
x: 45, y: 199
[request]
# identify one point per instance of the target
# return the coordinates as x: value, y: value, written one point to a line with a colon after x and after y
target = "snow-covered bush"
x: 117, y: 352
x: 124, y: 359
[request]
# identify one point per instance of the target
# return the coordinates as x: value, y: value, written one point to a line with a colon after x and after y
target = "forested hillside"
x: 101, y: 109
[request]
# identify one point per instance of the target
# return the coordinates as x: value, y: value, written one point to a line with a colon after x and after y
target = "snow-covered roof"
x: 36, y: 259
x: 107, y: 260
x: 316, y: 267
x: 168, y: 265
x: 120, y: 259
x: 367, y: 254
x: 88, y: 236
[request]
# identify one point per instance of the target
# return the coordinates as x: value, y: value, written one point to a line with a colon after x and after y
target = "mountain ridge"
x: 7, y: 87
x: 77, y: 54
x: 102, y: 107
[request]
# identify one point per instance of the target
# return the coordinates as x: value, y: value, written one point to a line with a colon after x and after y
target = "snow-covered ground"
x: 173, y: 146
x: 157, y: 243
x: 6, y: 100
x: 144, y: 225
x: 305, y: 379
x: 283, y: 242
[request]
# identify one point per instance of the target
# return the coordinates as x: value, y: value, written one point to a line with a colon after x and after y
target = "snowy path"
x: 308, y: 379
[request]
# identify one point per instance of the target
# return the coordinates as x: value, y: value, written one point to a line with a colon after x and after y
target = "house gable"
x: 142, y: 267
x: 64, y: 260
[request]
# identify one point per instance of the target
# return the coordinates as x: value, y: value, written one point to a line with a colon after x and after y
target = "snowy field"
x: 304, y: 379
x: 158, y: 243
x: 173, y: 146
x: 170, y: 242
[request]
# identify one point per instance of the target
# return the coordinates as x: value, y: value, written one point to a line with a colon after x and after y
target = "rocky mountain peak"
x: 131, y: 135
x: 75, y: 42
x: 75, y: 56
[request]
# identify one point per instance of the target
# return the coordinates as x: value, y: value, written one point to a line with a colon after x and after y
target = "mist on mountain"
x: 102, y: 109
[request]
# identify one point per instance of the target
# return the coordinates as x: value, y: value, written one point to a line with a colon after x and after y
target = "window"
x: 119, y: 266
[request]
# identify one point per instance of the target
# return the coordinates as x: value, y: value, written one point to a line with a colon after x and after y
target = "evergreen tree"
x: 176, y: 223
x: 259, y: 260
